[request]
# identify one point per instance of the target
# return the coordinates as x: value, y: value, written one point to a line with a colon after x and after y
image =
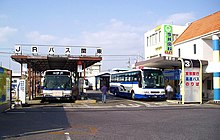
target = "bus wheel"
x: 115, y: 92
x: 42, y: 101
x: 132, y: 95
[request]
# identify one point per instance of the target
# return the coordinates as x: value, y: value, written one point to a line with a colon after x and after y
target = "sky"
x: 116, y: 26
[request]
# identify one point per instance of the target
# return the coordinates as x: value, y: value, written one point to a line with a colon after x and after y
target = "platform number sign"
x: 187, y: 63
x: 192, y: 80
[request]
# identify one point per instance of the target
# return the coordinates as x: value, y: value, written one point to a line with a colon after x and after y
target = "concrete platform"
x: 174, y: 101
x: 89, y: 101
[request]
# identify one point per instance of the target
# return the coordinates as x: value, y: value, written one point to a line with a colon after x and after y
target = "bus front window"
x: 58, y: 82
x: 153, y: 79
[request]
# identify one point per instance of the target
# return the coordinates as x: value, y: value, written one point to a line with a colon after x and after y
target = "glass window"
x: 147, y: 40
x: 179, y: 53
x: 153, y: 79
x: 159, y: 36
x: 194, y: 47
x: 58, y: 82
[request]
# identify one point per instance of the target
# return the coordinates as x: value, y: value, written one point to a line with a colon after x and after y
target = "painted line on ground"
x: 67, y: 136
x: 33, y: 133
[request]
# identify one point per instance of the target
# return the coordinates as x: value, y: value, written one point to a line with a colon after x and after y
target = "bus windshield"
x: 153, y: 79
x: 58, y: 82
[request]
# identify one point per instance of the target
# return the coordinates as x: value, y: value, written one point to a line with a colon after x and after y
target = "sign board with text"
x: 192, y: 80
x: 168, y: 39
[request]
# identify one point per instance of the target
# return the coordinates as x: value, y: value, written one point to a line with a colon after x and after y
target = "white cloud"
x: 36, y: 37
x: 117, y: 38
x: 178, y: 19
x: 6, y: 32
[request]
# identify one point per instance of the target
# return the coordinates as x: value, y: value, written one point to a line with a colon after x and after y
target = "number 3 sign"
x: 187, y: 63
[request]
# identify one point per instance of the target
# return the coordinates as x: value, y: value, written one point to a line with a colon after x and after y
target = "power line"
x: 6, y: 52
x: 119, y: 55
x: 76, y: 46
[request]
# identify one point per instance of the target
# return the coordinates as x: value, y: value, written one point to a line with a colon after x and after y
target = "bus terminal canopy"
x: 48, y: 62
x: 164, y: 62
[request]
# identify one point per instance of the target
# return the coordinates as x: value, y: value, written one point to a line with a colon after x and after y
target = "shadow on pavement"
x: 29, y: 121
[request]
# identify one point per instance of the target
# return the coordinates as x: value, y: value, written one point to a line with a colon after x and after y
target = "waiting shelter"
x: 49, y: 57
x: 190, y: 81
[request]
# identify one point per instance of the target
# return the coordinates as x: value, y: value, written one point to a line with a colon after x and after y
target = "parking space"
x: 94, y: 101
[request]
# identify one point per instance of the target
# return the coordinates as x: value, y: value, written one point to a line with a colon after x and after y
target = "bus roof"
x: 133, y: 70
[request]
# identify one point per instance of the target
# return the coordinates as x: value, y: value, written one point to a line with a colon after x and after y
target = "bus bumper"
x: 145, y: 96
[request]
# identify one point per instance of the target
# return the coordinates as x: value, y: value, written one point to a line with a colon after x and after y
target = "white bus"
x: 57, y: 85
x: 138, y: 84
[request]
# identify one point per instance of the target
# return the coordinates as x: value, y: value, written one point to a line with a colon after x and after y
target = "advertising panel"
x: 5, y: 82
x: 192, y: 82
x: 168, y: 39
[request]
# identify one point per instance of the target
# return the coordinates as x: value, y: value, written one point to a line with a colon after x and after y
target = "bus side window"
x: 45, y: 83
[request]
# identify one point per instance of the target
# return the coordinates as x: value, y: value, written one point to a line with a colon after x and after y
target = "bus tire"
x: 132, y: 95
x: 116, y: 92
x: 42, y: 101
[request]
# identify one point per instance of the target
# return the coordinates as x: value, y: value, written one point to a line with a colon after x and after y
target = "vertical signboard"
x: 5, y: 84
x: 192, y: 80
x: 168, y: 33
x: 79, y: 66
x: 22, y: 91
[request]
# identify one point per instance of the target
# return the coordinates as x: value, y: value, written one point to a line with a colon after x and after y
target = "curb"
x: 85, y: 101
x: 213, y: 102
x: 174, y: 101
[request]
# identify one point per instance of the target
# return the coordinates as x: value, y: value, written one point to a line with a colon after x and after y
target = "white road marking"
x: 33, y: 132
x: 143, y: 103
x: 134, y: 105
x: 16, y: 112
x: 67, y: 136
x: 121, y: 105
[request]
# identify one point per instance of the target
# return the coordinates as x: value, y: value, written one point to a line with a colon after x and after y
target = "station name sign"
x: 35, y: 50
x: 51, y: 50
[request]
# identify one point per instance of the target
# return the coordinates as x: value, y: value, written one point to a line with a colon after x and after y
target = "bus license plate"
x: 57, y: 93
x: 154, y: 96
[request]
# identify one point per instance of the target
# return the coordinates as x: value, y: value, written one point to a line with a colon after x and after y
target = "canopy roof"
x: 49, y: 62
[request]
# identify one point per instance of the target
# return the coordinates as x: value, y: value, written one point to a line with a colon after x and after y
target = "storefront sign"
x: 18, y: 49
x: 35, y: 50
x: 168, y: 33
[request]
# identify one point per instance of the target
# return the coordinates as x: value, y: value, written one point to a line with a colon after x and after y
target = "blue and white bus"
x: 57, y: 85
x: 138, y: 84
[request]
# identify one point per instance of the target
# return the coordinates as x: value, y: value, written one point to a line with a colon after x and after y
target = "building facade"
x: 196, y: 43
x: 193, y: 41
x: 91, y: 72
x: 158, y: 41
